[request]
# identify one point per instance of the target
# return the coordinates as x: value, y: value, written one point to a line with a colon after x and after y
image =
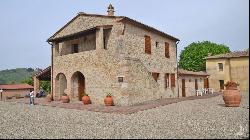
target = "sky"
x: 25, y: 25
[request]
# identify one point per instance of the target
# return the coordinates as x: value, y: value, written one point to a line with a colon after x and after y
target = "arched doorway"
x: 78, y: 85
x: 61, y: 85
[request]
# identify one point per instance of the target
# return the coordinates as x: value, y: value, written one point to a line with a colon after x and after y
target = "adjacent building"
x: 190, y: 81
x: 101, y: 54
x: 230, y: 66
x: 11, y: 90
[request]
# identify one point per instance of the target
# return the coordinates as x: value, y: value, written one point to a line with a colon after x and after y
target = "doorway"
x: 183, y: 88
x: 78, y: 85
x: 221, y: 84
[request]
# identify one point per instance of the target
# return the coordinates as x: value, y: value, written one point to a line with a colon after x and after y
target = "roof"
x: 44, y: 74
x: 231, y: 55
x: 121, y: 19
x: 16, y: 86
x: 186, y: 72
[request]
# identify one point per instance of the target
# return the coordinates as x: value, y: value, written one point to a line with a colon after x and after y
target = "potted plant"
x: 65, y: 98
x: 49, y: 97
x: 232, y: 96
x: 85, y: 99
x: 108, y: 100
x: 231, y: 85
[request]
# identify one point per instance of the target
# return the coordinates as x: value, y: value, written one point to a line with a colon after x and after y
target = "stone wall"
x: 134, y: 47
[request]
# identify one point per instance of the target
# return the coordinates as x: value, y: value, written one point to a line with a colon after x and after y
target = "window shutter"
x: 147, y: 45
x: 166, y: 80
x: 172, y: 80
x: 167, y: 50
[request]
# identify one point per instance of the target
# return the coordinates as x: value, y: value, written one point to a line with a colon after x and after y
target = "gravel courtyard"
x: 201, y: 118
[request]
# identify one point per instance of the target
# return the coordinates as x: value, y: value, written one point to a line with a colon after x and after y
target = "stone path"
x: 112, y: 109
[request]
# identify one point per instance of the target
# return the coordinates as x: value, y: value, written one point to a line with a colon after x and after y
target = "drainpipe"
x: 177, y: 69
x: 51, y: 83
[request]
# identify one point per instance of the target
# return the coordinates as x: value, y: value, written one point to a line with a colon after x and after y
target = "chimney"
x: 110, y: 10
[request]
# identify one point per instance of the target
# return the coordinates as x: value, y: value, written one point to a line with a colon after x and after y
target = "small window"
x: 190, y: 80
x: 156, y: 44
x: 120, y: 79
x: 75, y: 48
x: 220, y: 66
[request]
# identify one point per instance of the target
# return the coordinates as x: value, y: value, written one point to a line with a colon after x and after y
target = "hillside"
x: 11, y: 76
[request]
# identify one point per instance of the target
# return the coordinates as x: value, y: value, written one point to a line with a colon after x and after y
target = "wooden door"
x: 221, y: 84
x: 81, y: 87
x: 183, y: 88
x: 206, y: 83
x: 196, y: 84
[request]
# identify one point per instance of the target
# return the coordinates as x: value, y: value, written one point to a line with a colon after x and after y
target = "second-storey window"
x: 220, y: 66
x: 75, y: 48
x: 167, y: 50
x: 147, y: 44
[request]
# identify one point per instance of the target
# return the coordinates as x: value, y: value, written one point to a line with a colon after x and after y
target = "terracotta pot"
x: 108, y: 101
x: 49, y: 98
x: 65, y: 99
x: 231, y: 88
x: 85, y: 100
x: 232, y: 98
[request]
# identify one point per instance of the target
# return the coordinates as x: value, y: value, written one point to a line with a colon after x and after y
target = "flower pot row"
x: 85, y: 99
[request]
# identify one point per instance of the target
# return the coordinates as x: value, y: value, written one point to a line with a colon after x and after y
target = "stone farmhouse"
x: 101, y: 54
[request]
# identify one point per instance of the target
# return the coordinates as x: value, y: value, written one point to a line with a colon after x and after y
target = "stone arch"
x: 77, y: 85
x: 60, y: 84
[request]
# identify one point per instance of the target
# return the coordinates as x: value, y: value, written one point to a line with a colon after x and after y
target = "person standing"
x: 32, y: 97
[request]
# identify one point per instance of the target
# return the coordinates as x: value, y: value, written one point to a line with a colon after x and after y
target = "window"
x: 120, y: 79
x: 166, y: 80
x: 167, y: 50
x: 147, y: 45
x: 156, y: 44
x: 75, y: 48
x: 172, y: 80
x: 155, y: 75
x: 220, y: 66
x: 190, y: 80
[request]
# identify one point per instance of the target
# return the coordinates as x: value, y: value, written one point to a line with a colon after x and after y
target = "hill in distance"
x: 15, y: 76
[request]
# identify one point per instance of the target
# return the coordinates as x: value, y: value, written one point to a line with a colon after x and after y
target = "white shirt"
x: 32, y: 94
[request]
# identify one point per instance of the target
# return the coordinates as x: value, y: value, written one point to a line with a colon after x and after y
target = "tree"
x: 192, y: 57
x: 46, y: 85
x: 28, y: 81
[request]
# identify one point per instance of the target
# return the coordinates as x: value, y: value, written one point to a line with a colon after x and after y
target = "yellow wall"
x: 235, y: 69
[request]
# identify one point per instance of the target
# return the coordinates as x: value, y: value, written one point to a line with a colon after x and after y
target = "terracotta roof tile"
x: 186, y: 72
x: 119, y: 18
x: 230, y: 55
x: 16, y: 86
